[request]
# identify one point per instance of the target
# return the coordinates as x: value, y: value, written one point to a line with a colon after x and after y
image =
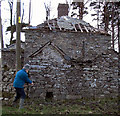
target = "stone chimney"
x: 63, y: 10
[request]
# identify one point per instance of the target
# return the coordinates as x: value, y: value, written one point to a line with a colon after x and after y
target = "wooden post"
x: 18, y: 41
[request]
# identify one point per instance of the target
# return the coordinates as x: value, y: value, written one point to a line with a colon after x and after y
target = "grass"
x: 79, y: 106
x: 11, y: 110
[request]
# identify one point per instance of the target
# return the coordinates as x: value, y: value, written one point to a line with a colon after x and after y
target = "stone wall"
x: 98, y: 78
x: 9, y: 58
x: 9, y: 69
x: 74, y: 44
x: 7, y: 80
x: 93, y: 75
x: 92, y: 72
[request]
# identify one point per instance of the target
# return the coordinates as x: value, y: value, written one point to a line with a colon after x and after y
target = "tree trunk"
x: 1, y: 33
x: 113, y: 26
x: 118, y: 59
x: 81, y: 10
x: 29, y: 11
x: 118, y: 33
x: 106, y: 17
x: 11, y: 11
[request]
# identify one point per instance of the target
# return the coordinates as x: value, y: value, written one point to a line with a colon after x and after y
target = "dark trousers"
x: 19, y: 94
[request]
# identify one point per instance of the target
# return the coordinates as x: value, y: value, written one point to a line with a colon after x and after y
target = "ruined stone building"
x: 9, y: 55
x: 70, y: 59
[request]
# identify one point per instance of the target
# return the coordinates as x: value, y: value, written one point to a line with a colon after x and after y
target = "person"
x: 20, y: 79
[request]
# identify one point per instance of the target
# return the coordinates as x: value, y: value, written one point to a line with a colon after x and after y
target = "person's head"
x: 26, y: 67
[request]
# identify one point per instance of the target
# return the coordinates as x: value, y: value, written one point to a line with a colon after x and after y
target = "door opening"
x: 49, y: 96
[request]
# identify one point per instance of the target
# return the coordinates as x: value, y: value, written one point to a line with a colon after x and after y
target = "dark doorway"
x: 49, y: 96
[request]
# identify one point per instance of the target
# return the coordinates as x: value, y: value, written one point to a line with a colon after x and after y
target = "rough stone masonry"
x: 69, y: 63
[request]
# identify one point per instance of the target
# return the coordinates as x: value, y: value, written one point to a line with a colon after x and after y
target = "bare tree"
x: 98, y: 8
x: 47, y: 8
x: 29, y: 11
x: 11, y: 14
x: 1, y: 33
x: 107, y: 18
x: 80, y: 6
x: 22, y: 13
x: 112, y: 25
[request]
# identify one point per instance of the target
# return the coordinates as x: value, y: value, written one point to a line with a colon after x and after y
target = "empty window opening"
x: 49, y: 96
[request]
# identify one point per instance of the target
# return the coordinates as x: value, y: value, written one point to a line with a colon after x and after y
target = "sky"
x: 38, y: 14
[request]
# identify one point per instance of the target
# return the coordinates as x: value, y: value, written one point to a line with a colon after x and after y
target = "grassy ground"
x: 80, y: 106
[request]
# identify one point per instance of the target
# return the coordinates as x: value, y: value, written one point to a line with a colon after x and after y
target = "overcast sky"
x: 38, y: 14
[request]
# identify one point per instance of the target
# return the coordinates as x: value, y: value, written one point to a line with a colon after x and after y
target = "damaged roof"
x: 66, y: 23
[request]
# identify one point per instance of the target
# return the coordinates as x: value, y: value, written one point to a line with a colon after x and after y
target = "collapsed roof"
x: 66, y: 23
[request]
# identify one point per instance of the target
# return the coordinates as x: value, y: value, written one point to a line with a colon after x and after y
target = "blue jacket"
x: 21, y: 78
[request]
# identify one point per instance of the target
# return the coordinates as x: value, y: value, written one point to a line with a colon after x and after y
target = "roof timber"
x: 65, y: 56
x: 86, y: 29
x: 80, y: 28
x: 66, y: 23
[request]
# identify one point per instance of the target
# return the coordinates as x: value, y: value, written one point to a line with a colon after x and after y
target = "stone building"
x: 9, y: 55
x: 70, y: 59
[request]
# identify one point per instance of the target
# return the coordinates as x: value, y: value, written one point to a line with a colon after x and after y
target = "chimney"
x: 63, y: 10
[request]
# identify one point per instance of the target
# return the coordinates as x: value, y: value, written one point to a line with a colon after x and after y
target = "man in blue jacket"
x: 20, y: 79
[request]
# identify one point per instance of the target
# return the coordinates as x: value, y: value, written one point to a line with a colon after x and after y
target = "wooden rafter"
x: 74, y: 27
x: 39, y: 50
x: 49, y: 25
x: 86, y: 29
x: 65, y: 56
x: 80, y: 28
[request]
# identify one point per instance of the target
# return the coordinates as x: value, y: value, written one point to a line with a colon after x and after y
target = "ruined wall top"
x: 67, y: 24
